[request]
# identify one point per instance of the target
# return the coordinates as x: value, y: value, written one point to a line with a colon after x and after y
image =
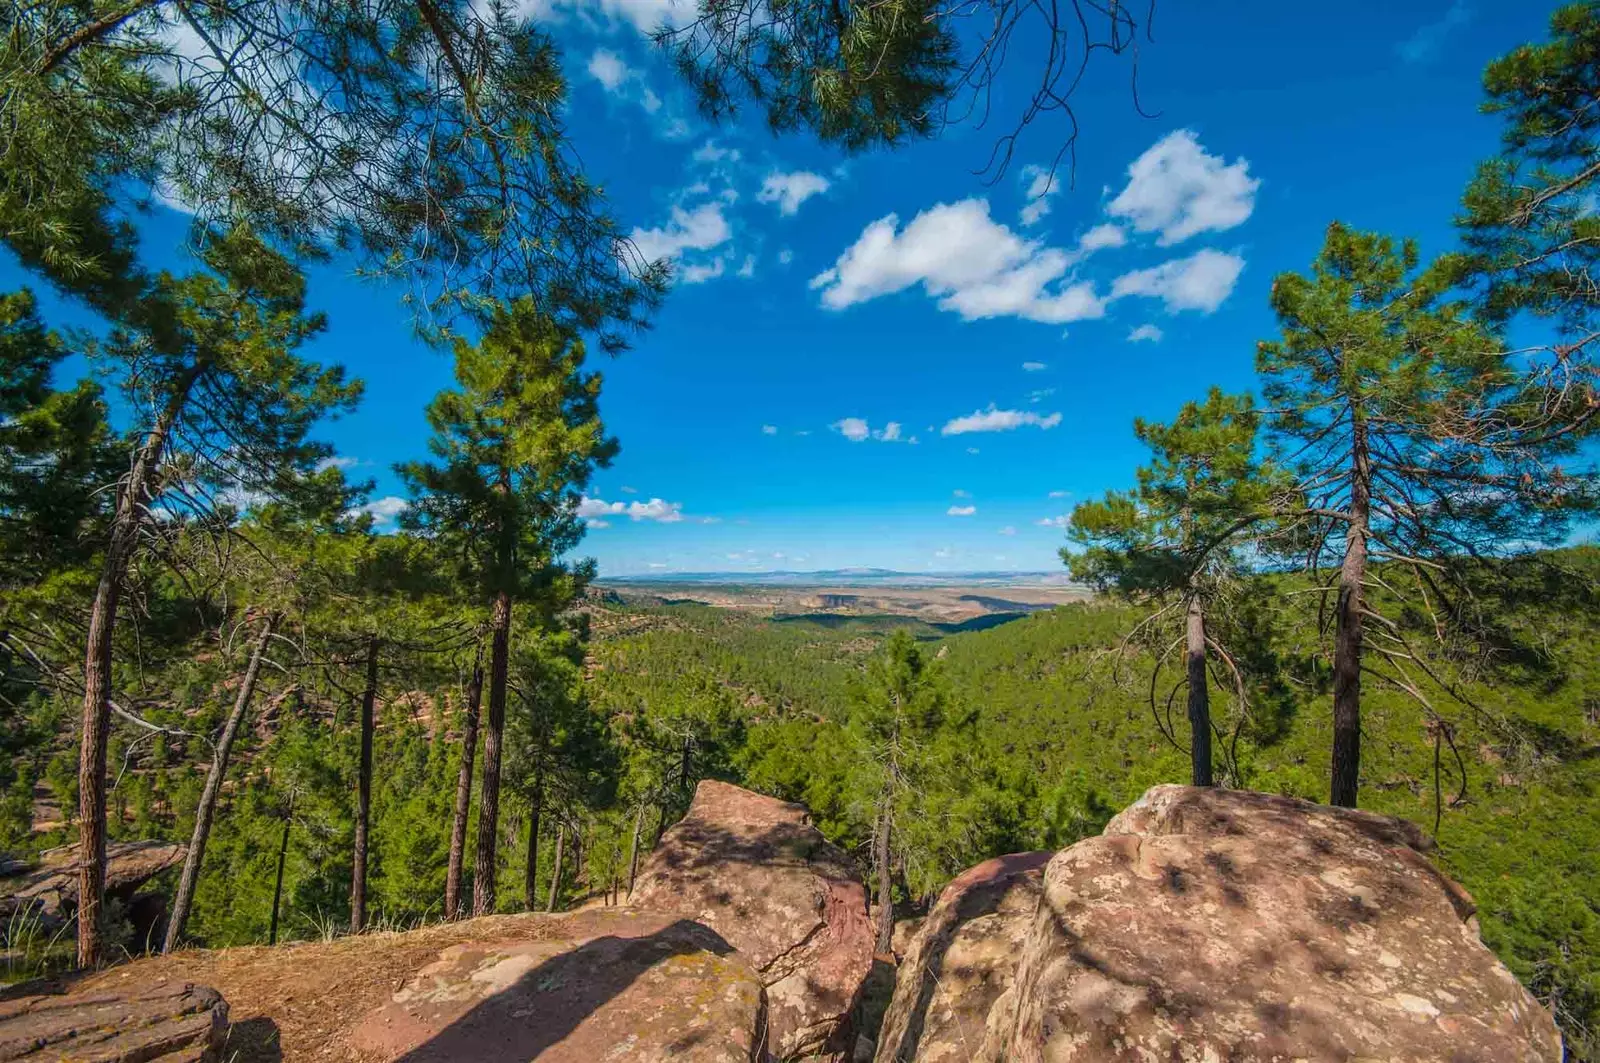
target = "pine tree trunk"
x: 96, y: 723
x: 358, y: 875
x: 483, y: 872
x: 530, y: 878
x: 277, y: 886
x: 633, y: 850
x: 881, y: 867
x: 203, y: 814
x: 555, y: 872
x: 1199, y: 696
x: 1347, y: 637
x: 458, y: 823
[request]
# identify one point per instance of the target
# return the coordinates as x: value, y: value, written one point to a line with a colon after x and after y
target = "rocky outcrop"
x: 49, y: 888
x: 150, y: 1023
x: 1211, y: 924
x: 754, y: 869
x: 961, y: 960
x: 611, y: 985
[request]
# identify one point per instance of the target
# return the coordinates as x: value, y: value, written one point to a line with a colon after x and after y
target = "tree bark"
x: 358, y: 873
x: 633, y: 850
x: 555, y: 872
x: 458, y: 823
x: 881, y: 867
x: 1199, y: 696
x: 1347, y: 637
x: 483, y: 872
x: 203, y: 814
x: 530, y: 877
x: 277, y: 886
x: 96, y: 722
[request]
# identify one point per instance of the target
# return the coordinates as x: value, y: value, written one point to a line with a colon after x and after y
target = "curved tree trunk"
x: 1346, y: 771
x: 213, y: 787
x: 358, y: 871
x: 1199, y: 696
x: 555, y: 872
x: 96, y: 721
x: 458, y: 823
x: 483, y: 872
x: 633, y: 849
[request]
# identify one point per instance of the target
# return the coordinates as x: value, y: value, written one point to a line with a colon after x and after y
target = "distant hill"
x: 846, y: 577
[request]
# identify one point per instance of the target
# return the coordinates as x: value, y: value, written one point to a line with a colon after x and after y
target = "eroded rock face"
x: 614, y: 985
x: 171, y: 1023
x: 50, y: 887
x: 1209, y: 924
x: 960, y: 962
x: 754, y: 869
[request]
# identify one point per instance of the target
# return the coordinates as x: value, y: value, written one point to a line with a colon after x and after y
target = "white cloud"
x: 1008, y: 530
x: 1102, y: 237
x: 1042, y: 188
x: 1054, y: 522
x: 656, y: 509
x: 383, y: 511
x: 790, y: 190
x: 629, y: 490
x: 959, y: 493
x: 339, y: 462
x: 712, y: 152
x: 621, y: 80
x: 785, y: 257
x: 995, y: 420
x: 973, y: 265
x: 961, y: 511
x: 646, y: 16
x: 942, y: 553
x: 972, y: 450
x: 1176, y: 188
x: 852, y: 428
x: 857, y: 430
x: 769, y: 429
x: 748, y: 269
x: 1200, y: 282
x: 1060, y: 494
x: 1146, y: 332
x: 1429, y: 39
x: 596, y: 522
x: 700, y: 272
x: 1033, y: 367
x: 699, y: 229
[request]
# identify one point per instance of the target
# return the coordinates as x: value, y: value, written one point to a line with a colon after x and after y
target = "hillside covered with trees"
x: 1363, y: 583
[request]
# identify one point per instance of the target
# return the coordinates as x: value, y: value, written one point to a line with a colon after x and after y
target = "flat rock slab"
x: 1247, y: 927
x: 616, y: 985
x: 171, y: 1023
x: 961, y: 961
x: 50, y: 887
x: 756, y: 870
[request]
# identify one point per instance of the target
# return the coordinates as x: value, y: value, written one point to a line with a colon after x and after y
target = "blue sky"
x: 885, y: 360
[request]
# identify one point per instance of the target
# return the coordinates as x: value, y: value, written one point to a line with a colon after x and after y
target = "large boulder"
x: 147, y: 1023
x: 612, y: 985
x: 961, y: 960
x: 1219, y: 925
x: 48, y: 889
x: 755, y: 869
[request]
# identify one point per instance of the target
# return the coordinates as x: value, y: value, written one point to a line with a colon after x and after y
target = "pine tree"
x: 516, y: 442
x: 223, y: 404
x: 1384, y: 398
x: 1177, y: 542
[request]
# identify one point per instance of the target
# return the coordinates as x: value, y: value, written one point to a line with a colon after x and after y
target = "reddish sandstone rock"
x: 960, y: 962
x: 155, y: 1023
x: 606, y: 985
x: 754, y: 869
x: 49, y: 889
x: 1211, y: 924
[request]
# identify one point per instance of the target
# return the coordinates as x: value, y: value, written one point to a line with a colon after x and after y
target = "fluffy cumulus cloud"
x: 702, y: 228
x: 622, y: 81
x: 973, y: 265
x: 1177, y: 189
x: 1199, y: 282
x: 997, y: 420
x: 596, y: 511
x: 790, y: 190
x: 385, y: 512
x: 961, y: 511
x: 1145, y: 333
x: 857, y: 430
x: 1054, y: 522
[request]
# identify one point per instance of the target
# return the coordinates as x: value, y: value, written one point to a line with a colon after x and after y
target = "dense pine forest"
x: 1365, y: 583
